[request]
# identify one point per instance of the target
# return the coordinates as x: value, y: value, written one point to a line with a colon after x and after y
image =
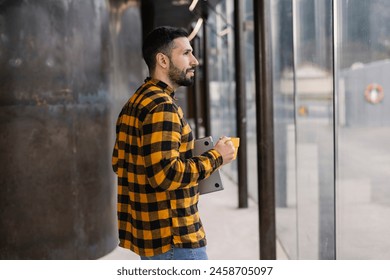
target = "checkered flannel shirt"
x: 158, y: 174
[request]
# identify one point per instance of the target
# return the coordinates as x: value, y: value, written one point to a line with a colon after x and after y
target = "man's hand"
x: 225, y: 147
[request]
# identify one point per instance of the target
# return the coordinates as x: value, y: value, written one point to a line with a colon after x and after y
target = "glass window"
x: 313, y: 76
x: 303, y: 122
x: 284, y: 126
x: 222, y: 85
x: 250, y: 101
x: 363, y: 129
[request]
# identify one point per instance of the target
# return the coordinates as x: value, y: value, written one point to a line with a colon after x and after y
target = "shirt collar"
x: 167, y: 89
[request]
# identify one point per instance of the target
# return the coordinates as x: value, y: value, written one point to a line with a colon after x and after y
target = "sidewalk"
x: 232, y: 233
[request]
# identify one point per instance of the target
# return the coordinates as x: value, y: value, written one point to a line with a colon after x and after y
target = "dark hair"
x: 160, y: 40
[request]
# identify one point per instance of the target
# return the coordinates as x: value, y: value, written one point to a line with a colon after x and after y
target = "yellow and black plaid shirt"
x: 157, y: 174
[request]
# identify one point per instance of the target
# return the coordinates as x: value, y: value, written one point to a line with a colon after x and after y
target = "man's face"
x: 182, y: 63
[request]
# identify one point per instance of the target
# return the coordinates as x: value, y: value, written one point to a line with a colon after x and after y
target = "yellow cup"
x: 236, y: 144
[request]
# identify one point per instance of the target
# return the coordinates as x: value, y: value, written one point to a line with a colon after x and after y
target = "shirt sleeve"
x: 161, y: 140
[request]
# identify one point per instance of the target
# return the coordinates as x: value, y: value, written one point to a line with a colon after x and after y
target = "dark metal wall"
x: 57, y: 193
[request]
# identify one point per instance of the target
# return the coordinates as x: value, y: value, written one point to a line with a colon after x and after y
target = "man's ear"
x: 162, y: 60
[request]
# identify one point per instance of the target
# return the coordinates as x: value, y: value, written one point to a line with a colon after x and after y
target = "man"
x: 153, y: 157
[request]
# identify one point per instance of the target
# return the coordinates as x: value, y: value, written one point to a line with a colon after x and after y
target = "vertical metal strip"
x: 335, y: 34
x: 206, y: 80
x: 239, y: 54
x: 264, y: 128
x: 196, y: 46
x: 295, y: 53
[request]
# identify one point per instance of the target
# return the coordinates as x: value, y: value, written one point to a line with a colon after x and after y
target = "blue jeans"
x: 181, y: 254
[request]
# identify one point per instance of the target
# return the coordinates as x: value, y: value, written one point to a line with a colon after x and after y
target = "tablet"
x: 212, y: 183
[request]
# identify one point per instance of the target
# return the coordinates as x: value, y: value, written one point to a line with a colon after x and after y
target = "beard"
x: 179, y: 77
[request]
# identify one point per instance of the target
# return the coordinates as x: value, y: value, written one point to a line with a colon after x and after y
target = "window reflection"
x: 222, y: 86
x: 363, y: 195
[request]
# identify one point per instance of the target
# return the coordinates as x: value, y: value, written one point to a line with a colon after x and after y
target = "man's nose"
x: 194, y: 61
